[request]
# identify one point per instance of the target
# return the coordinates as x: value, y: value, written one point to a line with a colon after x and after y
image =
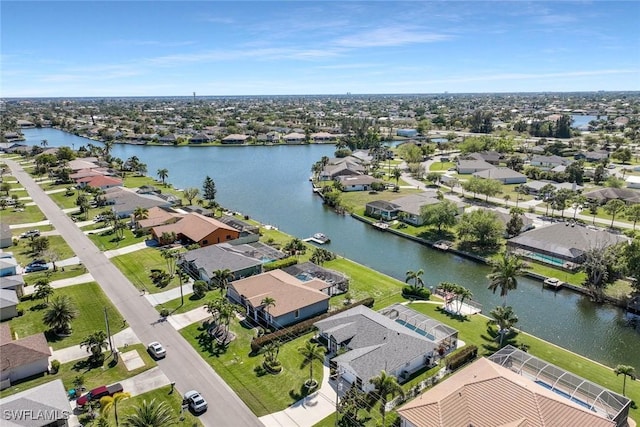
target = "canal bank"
x: 248, y: 182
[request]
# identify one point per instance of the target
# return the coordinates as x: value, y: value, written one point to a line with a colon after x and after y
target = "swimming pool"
x: 416, y: 329
x: 547, y: 259
x: 566, y: 395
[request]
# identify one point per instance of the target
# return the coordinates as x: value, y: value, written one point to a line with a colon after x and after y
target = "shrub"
x: 55, y: 366
x: 281, y: 263
x: 416, y: 293
x: 293, y: 332
x: 164, y: 312
x: 461, y: 356
x: 200, y: 288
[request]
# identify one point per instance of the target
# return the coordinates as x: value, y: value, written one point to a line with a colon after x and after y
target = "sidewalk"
x: 307, y: 411
x: 57, y: 284
x: 30, y: 224
x: 179, y: 321
x: 171, y: 294
x: 127, y: 249
x: 69, y: 354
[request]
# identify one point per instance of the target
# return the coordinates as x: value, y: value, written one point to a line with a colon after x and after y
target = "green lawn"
x: 190, y: 302
x: 353, y: 200
x: 108, y: 373
x: 90, y: 302
x: 69, y: 271
x: 30, y: 214
x: 65, y: 201
x: 106, y: 240
x: 263, y: 393
x: 137, y: 267
x: 23, y: 254
x: 441, y: 166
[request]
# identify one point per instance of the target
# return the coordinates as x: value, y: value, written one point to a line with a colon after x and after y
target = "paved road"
x: 182, y: 364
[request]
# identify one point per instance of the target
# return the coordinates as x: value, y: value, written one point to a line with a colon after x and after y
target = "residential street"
x: 182, y: 364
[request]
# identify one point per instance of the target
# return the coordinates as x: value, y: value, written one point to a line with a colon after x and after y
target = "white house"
x: 633, y: 181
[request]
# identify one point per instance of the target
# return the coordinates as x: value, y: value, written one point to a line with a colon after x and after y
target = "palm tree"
x: 112, y: 401
x: 385, y: 385
x: 171, y: 258
x: 310, y: 352
x: 140, y: 213
x: 44, y: 143
x: 43, y: 290
x: 504, y: 273
x: 95, y: 343
x: 626, y: 371
x: 60, y: 314
x: 163, y: 173
x: 268, y: 302
x: 190, y: 194
x: 461, y: 294
x: 396, y: 173
x: 505, y: 318
x: 150, y: 414
x: 416, y: 277
x: 506, y: 198
x: 222, y: 278
x: 295, y: 247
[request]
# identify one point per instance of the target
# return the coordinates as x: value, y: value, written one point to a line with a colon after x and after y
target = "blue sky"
x: 170, y: 48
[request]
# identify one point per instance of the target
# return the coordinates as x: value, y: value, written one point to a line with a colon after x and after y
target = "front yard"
x: 137, y: 267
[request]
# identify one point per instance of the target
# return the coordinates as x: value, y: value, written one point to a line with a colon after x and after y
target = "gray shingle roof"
x: 56, y: 402
x: 212, y: 258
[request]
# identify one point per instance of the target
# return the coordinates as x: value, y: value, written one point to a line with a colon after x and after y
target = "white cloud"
x: 390, y: 36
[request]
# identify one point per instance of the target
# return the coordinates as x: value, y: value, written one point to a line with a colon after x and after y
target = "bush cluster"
x: 281, y: 263
x: 461, y: 356
x: 416, y: 293
x: 294, y: 331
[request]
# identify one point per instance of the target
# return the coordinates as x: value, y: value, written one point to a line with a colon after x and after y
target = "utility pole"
x: 106, y: 320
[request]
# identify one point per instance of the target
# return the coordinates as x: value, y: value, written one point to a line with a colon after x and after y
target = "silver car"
x: 195, y: 401
x: 157, y: 350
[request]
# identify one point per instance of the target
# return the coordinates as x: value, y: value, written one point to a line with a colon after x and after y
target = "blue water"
x: 416, y: 329
x: 547, y: 259
x: 581, y: 122
x: 565, y: 395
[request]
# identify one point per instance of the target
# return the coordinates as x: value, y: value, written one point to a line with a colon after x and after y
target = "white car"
x: 195, y: 401
x: 157, y: 350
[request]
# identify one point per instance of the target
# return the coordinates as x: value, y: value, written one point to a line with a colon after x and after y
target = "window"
x: 297, y: 314
x: 204, y: 242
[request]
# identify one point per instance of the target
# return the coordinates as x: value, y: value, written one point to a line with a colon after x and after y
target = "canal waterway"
x: 271, y: 185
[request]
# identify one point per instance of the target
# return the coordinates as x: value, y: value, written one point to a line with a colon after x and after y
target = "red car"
x: 98, y: 393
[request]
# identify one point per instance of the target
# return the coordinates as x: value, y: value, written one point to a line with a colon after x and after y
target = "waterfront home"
x: 235, y: 138
x: 99, y: 181
x: 465, y: 167
x: 324, y: 137
x: 167, y: 139
x: 357, y: 183
x: 401, y: 341
x: 349, y: 166
x: 504, y: 175
x: 196, y: 228
x: 411, y: 206
x: 156, y: 216
x: 84, y: 163
x: 202, y: 262
x: 295, y: 300
x: 253, y: 249
x: 382, y: 209
x: 562, y: 244
x: 524, y: 390
x: 331, y: 282
x: 199, y: 138
x: 123, y: 201
x: 46, y: 405
x: 504, y: 217
x: 294, y: 138
x: 21, y: 358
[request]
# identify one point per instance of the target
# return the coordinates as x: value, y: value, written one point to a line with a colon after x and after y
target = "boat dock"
x: 381, y: 225
x: 443, y: 245
x: 552, y: 283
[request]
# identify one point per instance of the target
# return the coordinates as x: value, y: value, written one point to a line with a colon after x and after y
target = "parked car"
x: 36, y: 267
x: 195, y: 401
x: 98, y: 218
x: 157, y: 350
x: 37, y: 262
x: 99, y: 392
x: 30, y: 233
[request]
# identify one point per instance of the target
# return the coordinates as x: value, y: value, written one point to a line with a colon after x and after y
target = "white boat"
x: 320, y: 237
x: 553, y: 283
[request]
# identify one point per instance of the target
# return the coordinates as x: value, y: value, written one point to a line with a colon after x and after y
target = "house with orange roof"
x: 513, y: 388
x: 196, y: 228
x: 21, y: 358
x: 295, y: 300
x: 99, y: 181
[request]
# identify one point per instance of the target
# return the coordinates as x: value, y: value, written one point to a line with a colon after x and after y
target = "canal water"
x: 271, y: 184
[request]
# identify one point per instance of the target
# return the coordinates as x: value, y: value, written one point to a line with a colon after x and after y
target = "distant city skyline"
x: 169, y: 48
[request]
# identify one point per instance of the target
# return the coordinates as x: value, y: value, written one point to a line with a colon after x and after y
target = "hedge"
x: 417, y: 293
x: 294, y: 331
x: 281, y: 263
x: 461, y: 356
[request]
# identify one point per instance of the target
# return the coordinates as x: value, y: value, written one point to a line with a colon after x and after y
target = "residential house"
x: 362, y: 156
x: 84, y: 163
x: 364, y: 342
x: 592, y: 156
x: 502, y: 174
x: 382, y: 209
x: 331, y: 282
x: 198, y: 209
x: 294, y: 138
x: 169, y: 139
x: 123, y: 201
x: 347, y: 167
x: 356, y: 183
x: 533, y: 388
x: 491, y: 157
x: 21, y: 358
x: 295, y: 300
x: 249, y: 233
x: 8, y: 304
x: 505, y: 217
x: 534, y: 187
x: 8, y: 265
x: 562, y: 244
x: 196, y: 228
x: 199, y: 138
x: 202, y: 262
x: 603, y: 195
x: 46, y: 405
x: 6, y: 236
x: 99, y: 181
x: 633, y: 181
x: 156, y: 216
x: 411, y: 205
x: 235, y: 138
x: 466, y: 167
x: 323, y: 137
x: 548, y: 162
x: 13, y: 282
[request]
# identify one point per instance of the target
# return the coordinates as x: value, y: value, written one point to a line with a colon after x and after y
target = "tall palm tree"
x: 626, y: 371
x: 310, y: 353
x: 60, y: 314
x: 384, y: 385
x: 222, y: 277
x: 505, y: 318
x: 140, y: 213
x: 43, y: 290
x: 108, y: 402
x: 171, y: 257
x: 504, y: 273
x: 150, y: 414
x: 416, y: 276
x: 295, y: 247
x: 461, y: 294
x: 95, y: 343
x: 268, y: 302
x: 163, y: 173
x: 396, y: 173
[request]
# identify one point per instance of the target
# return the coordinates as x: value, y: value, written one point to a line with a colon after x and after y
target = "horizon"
x: 101, y: 49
